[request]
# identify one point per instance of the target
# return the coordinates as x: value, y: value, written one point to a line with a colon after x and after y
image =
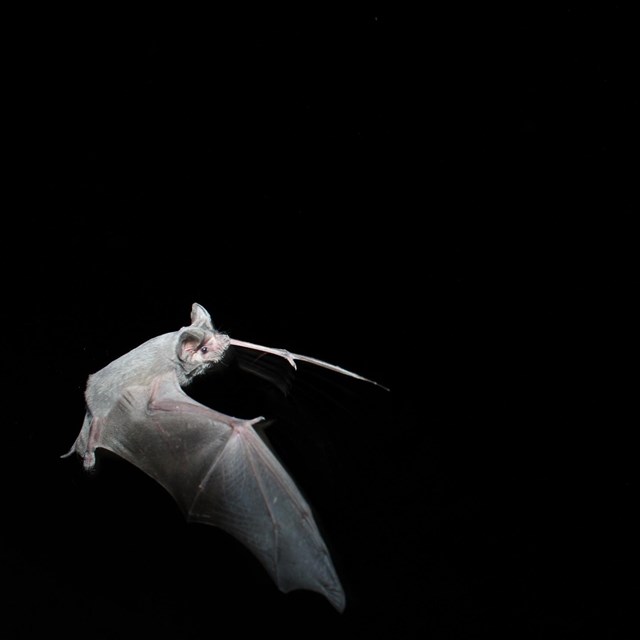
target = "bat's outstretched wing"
x: 292, y: 357
x: 221, y: 473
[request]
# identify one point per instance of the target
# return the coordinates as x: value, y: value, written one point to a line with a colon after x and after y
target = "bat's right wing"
x: 221, y: 473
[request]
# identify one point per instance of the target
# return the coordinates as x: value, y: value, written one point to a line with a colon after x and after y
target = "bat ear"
x: 188, y: 342
x: 200, y: 317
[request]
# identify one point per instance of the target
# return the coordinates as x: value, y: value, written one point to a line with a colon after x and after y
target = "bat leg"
x: 86, y: 442
x: 89, y: 454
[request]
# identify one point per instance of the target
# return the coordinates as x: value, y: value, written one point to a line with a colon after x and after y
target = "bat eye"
x: 204, y: 349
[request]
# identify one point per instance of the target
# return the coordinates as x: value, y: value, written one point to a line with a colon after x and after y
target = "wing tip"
x: 337, y: 599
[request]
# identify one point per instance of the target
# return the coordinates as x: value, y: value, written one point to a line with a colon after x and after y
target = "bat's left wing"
x: 221, y: 473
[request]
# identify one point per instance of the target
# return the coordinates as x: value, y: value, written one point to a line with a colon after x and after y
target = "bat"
x: 217, y: 468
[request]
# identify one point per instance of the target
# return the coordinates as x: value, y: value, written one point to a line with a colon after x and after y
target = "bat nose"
x: 222, y: 343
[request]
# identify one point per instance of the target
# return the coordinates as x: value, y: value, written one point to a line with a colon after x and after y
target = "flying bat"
x: 217, y: 467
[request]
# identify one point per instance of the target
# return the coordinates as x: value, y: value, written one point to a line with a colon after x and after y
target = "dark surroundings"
x: 440, y: 202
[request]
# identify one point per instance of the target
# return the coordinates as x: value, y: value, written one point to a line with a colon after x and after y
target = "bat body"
x: 216, y: 467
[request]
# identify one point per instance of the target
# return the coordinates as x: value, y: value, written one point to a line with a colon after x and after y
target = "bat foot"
x: 89, y: 460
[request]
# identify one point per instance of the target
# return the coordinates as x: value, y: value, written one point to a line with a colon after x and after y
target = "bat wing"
x: 221, y: 473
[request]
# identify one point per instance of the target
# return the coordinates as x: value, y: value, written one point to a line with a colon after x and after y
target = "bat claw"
x: 255, y: 420
x: 289, y: 358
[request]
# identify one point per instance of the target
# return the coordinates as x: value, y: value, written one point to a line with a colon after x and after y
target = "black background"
x: 439, y: 201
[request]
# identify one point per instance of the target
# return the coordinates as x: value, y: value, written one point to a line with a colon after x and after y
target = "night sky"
x: 440, y: 202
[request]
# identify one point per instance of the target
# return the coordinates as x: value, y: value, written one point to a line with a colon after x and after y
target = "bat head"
x: 200, y: 345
